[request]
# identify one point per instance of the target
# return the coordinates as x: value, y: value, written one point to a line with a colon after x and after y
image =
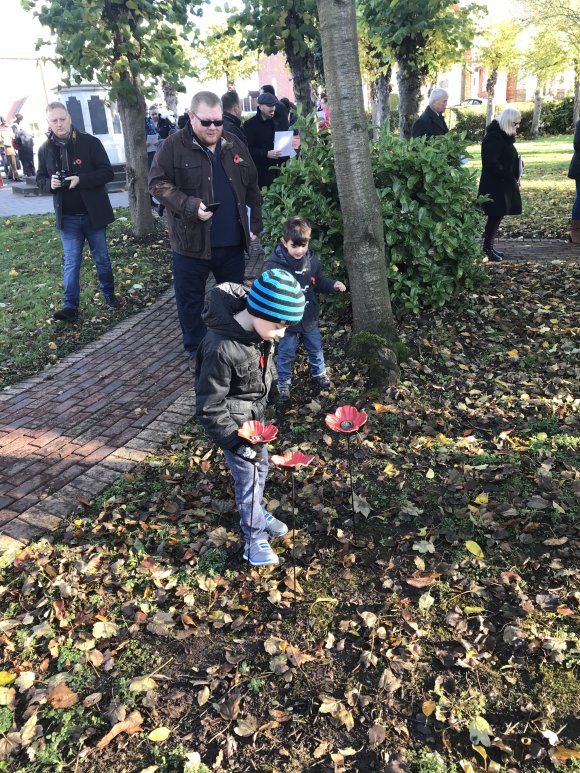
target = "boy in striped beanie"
x: 235, y: 375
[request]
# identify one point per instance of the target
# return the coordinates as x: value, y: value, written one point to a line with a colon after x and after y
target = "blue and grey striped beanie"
x: 276, y: 296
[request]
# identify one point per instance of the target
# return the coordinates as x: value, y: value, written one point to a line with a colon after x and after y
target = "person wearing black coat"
x: 233, y: 115
x: 500, y: 176
x: 574, y: 174
x: 75, y: 167
x: 431, y: 122
x: 260, y: 131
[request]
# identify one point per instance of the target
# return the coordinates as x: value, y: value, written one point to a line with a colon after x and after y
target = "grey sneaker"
x: 274, y: 527
x: 260, y: 553
x: 283, y: 392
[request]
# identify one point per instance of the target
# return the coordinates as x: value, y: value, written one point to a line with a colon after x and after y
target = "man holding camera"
x: 76, y: 168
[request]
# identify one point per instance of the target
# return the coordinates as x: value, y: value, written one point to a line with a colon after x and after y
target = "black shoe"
x: 68, y: 314
x: 322, y: 382
x: 112, y: 301
x: 493, y: 256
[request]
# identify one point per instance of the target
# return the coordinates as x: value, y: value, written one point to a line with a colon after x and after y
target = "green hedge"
x: 432, y: 222
x: 556, y: 118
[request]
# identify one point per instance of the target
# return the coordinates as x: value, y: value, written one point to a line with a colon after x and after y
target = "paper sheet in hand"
x: 283, y: 143
x: 152, y: 142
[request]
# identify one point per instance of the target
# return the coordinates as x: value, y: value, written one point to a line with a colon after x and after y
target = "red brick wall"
x: 274, y: 70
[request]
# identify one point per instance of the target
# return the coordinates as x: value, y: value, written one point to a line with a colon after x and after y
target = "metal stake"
x: 351, y: 489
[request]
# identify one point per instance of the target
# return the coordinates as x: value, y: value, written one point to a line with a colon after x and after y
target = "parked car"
x: 473, y: 101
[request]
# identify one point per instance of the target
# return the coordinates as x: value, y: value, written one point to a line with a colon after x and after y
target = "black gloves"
x: 249, y: 453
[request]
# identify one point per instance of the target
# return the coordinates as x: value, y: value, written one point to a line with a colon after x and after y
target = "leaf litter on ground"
x: 139, y: 637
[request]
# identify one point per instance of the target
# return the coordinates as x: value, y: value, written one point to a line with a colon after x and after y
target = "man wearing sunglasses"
x: 199, y: 166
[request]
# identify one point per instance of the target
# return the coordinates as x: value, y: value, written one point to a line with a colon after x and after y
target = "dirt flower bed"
x: 446, y: 639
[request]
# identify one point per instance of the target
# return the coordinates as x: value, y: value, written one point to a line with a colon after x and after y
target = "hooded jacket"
x: 308, y: 273
x: 500, y: 173
x: 180, y: 178
x: 234, y: 367
x: 85, y: 156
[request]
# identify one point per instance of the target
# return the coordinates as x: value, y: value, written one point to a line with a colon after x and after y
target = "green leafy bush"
x: 428, y: 200
x: 469, y: 121
x: 557, y: 116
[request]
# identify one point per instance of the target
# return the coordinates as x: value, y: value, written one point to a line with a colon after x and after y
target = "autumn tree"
x: 290, y: 28
x: 364, y: 245
x: 498, y: 52
x: 223, y: 56
x: 411, y: 31
x: 376, y: 69
x: 122, y: 45
x: 544, y: 58
x: 562, y: 19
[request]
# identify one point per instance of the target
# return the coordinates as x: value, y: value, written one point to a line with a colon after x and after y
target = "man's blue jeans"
x: 190, y: 275
x: 75, y: 230
x: 287, y: 352
x: 249, y: 478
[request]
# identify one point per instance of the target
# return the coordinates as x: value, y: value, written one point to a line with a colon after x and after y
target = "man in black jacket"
x: 233, y: 115
x: 431, y: 122
x: 260, y: 131
x: 76, y: 168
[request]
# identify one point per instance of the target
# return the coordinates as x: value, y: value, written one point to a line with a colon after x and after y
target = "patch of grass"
x: 212, y: 562
x: 6, y: 719
x: 31, y: 289
x: 137, y: 658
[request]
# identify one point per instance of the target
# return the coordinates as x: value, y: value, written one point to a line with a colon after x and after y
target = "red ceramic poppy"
x: 292, y: 459
x: 256, y: 432
x: 237, y: 159
x: 346, y: 419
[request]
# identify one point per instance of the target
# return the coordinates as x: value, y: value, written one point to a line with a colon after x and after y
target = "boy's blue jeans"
x: 73, y: 233
x: 249, y: 478
x: 287, y: 352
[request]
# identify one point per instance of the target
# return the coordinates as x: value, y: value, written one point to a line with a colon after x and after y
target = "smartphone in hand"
x: 212, y: 207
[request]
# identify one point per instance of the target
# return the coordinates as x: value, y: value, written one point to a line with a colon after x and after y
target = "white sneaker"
x: 260, y: 553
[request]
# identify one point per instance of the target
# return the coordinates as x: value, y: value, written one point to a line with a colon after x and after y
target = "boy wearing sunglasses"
x: 196, y: 169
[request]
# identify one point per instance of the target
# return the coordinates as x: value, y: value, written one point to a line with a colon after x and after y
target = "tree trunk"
x: 364, y: 244
x: 536, y: 115
x: 302, y: 69
x: 131, y: 105
x: 490, y: 86
x: 576, y: 112
x: 170, y: 95
x: 409, y: 80
x: 380, y: 91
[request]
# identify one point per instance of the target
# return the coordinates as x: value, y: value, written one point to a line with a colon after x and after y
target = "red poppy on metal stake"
x: 347, y: 419
x: 293, y: 459
x: 256, y: 432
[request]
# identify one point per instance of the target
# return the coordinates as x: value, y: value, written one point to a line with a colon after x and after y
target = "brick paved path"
x: 70, y: 431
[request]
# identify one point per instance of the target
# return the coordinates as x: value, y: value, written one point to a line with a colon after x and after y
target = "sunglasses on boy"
x: 205, y: 122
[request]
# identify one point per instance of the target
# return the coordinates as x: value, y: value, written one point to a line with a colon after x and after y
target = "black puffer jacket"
x: 308, y: 273
x: 235, y: 368
x: 574, y: 170
x: 500, y: 171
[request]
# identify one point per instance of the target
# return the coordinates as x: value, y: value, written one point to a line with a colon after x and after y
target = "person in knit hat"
x: 235, y: 381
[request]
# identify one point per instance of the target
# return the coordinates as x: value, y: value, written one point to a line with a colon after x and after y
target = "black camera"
x: 62, y: 178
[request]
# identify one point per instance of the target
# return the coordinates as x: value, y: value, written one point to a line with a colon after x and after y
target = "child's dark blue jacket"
x: 308, y: 273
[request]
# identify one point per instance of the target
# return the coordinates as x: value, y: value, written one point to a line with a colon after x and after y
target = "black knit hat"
x: 276, y: 296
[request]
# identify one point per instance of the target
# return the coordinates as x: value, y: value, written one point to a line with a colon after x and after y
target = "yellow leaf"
x: 428, y: 708
x: 512, y: 353
x: 159, y: 734
x: 51, y: 345
x: 474, y: 548
x: 481, y: 499
x: 463, y: 367
x: 563, y: 755
x: 6, y: 678
x: 13, y: 272
x: 430, y: 474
